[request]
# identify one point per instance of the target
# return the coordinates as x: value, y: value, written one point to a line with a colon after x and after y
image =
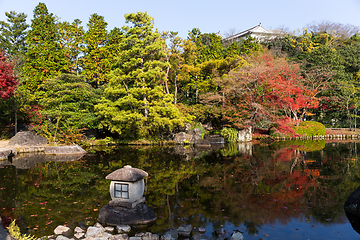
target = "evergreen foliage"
x: 71, y: 41
x: 95, y: 63
x: 68, y: 103
x: 45, y: 57
x: 13, y: 33
x: 153, y: 83
x: 135, y: 105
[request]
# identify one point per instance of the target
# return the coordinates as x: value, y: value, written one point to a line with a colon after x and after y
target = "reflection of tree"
x: 251, y: 227
x: 274, y: 184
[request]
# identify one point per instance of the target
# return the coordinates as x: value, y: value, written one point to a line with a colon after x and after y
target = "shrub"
x: 230, y: 134
x: 310, y: 128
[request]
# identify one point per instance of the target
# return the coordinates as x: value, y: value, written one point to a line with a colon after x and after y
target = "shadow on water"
x: 287, y: 190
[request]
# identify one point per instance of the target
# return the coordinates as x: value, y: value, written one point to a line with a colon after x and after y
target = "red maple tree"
x: 269, y: 89
x: 8, y: 80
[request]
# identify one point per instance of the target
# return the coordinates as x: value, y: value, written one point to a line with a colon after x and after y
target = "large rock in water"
x: 142, y: 214
x: 27, y: 139
x: 352, y: 204
x: 352, y: 209
x: 191, y: 137
x: 245, y: 135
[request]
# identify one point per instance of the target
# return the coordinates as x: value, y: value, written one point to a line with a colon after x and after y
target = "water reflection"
x: 29, y: 160
x: 285, y: 189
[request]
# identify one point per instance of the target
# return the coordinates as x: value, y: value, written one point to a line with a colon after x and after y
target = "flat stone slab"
x: 65, y: 150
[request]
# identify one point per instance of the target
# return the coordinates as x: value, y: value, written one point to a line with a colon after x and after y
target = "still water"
x: 286, y: 190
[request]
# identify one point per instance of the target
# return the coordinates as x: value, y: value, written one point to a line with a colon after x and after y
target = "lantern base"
x: 114, y: 203
x: 142, y: 214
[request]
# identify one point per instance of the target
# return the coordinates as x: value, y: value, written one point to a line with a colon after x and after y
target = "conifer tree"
x: 45, y: 58
x: 71, y: 40
x: 13, y: 32
x: 95, y: 62
x: 136, y: 105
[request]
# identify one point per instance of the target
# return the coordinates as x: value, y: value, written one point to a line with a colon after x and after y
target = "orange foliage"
x: 266, y: 88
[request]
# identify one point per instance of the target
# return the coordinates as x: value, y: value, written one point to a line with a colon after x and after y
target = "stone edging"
x: 49, y: 150
x: 323, y: 137
x: 120, y: 232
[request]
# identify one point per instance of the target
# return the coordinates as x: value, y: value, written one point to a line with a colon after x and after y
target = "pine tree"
x: 136, y: 105
x: 13, y: 32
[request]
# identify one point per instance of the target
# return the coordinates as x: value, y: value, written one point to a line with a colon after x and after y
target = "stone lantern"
x: 127, y: 205
x: 127, y: 187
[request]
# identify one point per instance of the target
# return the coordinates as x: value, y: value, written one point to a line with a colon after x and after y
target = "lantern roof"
x: 127, y: 174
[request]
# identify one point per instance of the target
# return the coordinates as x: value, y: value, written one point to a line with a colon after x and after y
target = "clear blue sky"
x: 207, y: 15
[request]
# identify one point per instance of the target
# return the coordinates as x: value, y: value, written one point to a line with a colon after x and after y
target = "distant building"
x: 258, y: 32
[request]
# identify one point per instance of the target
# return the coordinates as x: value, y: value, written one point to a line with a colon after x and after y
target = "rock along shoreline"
x: 121, y: 232
x: 27, y: 141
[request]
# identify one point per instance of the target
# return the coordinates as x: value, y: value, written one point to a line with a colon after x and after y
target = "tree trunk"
x: 145, y: 104
x: 223, y: 97
x: 166, y: 81
x: 15, y: 113
x: 175, y: 93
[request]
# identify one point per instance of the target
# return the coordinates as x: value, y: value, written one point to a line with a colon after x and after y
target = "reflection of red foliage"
x: 285, y: 154
x: 286, y: 200
x: 299, y: 180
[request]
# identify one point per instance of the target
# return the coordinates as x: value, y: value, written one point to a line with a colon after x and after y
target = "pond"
x: 286, y: 190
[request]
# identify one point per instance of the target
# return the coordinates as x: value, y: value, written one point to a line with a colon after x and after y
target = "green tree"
x: 68, y: 104
x: 71, y: 40
x: 95, y: 62
x: 136, y: 105
x: 175, y: 60
x: 45, y: 58
x: 13, y: 32
x: 190, y: 73
x: 113, y: 46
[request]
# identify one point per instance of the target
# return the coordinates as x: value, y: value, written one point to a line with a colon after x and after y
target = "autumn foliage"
x: 265, y: 89
x: 8, y: 81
